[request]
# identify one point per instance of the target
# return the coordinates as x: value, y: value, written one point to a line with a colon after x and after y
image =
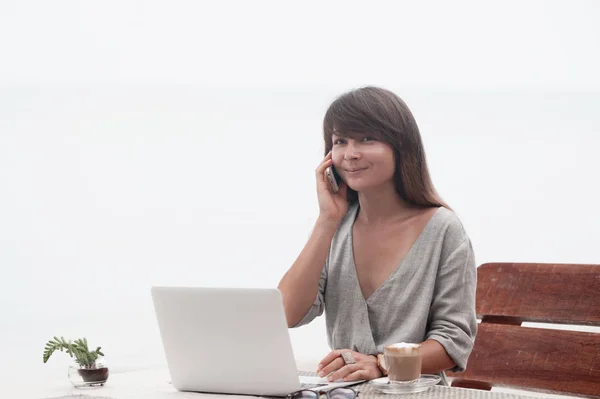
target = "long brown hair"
x: 382, y: 114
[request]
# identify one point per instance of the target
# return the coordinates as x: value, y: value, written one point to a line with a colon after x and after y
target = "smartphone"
x: 333, y: 178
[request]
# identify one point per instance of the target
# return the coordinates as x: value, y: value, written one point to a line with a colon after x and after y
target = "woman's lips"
x: 354, y: 171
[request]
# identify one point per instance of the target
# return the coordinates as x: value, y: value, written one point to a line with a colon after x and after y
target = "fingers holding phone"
x: 331, y: 190
x: 327, y: 178
x: 331, y: 178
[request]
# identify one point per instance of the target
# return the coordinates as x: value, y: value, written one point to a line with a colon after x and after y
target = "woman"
x: 387, y: 260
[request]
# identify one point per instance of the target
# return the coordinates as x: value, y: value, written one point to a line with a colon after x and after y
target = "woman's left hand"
x: 365, y: 367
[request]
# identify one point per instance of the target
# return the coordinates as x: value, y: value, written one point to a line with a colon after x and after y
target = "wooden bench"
x: 539, y: 359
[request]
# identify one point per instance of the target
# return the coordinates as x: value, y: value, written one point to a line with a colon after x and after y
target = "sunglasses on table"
x: 336, y: 393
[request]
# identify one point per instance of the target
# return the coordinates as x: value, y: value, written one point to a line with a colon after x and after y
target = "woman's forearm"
x: 299, y: 285
x: 434, y: 357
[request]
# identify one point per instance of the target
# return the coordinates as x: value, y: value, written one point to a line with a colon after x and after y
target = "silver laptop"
x: 229, y: 340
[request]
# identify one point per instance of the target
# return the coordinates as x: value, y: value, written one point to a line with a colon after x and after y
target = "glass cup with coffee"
x: 403, y: 362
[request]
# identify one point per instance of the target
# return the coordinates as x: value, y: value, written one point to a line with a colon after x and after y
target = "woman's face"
x: 362, y: 161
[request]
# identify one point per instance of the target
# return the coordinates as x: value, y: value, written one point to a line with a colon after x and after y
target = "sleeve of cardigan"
x: 318, y: 305
x: 453, y: 321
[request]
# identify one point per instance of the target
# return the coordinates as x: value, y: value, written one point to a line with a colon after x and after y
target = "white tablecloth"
x: 154, y: 384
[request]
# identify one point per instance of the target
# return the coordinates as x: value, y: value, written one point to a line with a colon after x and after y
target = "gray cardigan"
x: 430, y: 295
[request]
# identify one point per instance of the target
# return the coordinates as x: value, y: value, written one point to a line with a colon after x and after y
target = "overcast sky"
x: 440, y: 44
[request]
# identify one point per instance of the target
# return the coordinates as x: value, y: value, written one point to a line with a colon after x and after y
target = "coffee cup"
x: 403, y: 362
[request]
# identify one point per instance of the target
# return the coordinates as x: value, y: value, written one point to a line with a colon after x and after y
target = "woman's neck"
x: 382, y: 205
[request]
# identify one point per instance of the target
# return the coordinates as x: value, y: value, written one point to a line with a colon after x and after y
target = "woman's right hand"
x: 332, y: 206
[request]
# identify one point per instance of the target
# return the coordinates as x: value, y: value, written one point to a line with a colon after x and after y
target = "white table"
x: 154, y: 384
x: 147, y: 384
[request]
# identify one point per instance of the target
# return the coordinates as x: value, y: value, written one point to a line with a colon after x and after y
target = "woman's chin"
x: 365, y: 187
x: 357, y: 186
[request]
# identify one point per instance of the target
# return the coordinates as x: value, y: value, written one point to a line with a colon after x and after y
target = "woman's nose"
x: 351, y: 152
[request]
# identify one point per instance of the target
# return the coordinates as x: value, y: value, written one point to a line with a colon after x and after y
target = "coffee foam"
x: 404, y: 348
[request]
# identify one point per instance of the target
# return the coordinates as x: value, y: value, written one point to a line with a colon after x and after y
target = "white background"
x: 148, y: 143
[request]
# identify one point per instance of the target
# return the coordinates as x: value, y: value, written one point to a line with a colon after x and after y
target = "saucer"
x: 426, y: 381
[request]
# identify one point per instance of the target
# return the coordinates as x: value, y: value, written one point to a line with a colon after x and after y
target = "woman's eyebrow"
x: 340, y: 135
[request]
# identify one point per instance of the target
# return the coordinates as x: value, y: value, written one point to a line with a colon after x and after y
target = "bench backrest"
x: 558, y: 361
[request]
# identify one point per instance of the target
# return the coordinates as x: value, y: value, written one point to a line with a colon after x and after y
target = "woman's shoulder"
x: 448, y: 225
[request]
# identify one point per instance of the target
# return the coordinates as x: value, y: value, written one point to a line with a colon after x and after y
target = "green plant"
x: 78, y: 349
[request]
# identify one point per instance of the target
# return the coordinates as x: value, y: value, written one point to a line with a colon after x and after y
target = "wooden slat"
x: 550, y: 293
x: 541, y: 359
x: 482, y: 386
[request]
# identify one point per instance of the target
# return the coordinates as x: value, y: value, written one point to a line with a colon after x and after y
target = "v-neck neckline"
x: 398, y: 267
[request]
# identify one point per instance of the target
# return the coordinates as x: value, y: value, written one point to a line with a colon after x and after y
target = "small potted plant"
x: 89, y: 371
